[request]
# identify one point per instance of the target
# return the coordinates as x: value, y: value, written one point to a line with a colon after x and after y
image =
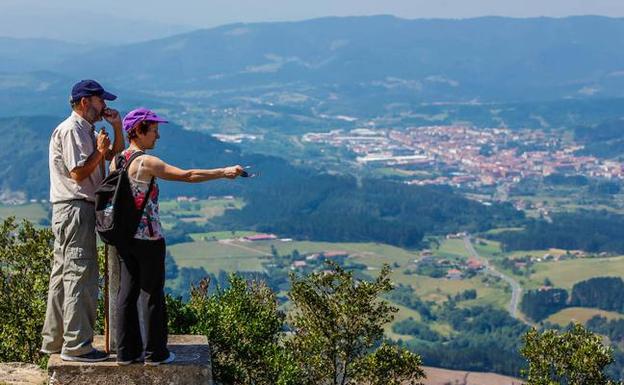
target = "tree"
x: 171, y: 268
x: 336, y: 322
x: 389, y: 365
x: 573, y: 357
x: 591, y: 293
x: 540, y: 304
x: 243, y: 325
x: 25, y: 263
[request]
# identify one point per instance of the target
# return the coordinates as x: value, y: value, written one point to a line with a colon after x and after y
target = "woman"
x: 143, y: 263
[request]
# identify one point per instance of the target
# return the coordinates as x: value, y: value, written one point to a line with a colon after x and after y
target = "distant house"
x: 426, y: 253
x: 260, y: 237
x: 457, y: 235
x: 475, y: 264
x: 299, y: 264
x: 313, y: 257
x: 335, y: 253
x: 454, y: 274
x: 545, y: 288
x: 426, y: 259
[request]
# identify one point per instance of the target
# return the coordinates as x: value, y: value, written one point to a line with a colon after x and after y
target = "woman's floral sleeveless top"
x: 149, y: 225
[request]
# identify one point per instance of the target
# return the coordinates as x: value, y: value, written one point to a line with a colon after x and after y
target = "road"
x: 516, y: 289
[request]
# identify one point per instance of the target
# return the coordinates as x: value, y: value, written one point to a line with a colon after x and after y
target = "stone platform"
x: 192, y: 366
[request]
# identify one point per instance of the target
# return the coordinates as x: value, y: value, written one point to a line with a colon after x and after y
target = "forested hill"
x: 356, y: 62
x: 292, y: 201
x: 605, y: 140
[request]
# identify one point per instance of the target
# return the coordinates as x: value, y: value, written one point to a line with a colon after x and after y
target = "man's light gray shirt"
x: 72, y: 142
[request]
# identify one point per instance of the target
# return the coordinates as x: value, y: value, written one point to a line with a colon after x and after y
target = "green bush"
x: 25, y: 263
x: 243, y: 324
x: 388, y: 365
x: 180, y: 316
x: 337, y: 321
x: 574, y: 357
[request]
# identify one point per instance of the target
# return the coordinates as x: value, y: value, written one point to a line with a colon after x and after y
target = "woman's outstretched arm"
x: 156, y: 167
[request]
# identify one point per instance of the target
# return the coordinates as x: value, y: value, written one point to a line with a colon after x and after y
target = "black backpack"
x: 116, y: 215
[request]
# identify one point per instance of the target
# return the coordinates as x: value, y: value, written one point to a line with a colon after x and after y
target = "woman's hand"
x: 232, y: 171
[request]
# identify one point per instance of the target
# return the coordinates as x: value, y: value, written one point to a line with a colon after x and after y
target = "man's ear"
x: 84, y: 103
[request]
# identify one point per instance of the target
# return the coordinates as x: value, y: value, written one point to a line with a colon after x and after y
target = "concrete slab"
x: 192, y: 366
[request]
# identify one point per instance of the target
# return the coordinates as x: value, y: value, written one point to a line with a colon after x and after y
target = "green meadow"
x: 581, y: 315
x: 33, y: 212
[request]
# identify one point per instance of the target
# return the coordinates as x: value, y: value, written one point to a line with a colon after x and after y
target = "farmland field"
x: 34, y: 212
x: 566, y: 273
x: 581, y: 315
x: 200, y: 211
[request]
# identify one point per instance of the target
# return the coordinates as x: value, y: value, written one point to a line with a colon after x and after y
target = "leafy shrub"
x: 25, y: 264
x: 337, y: 320
x: 574, y: 357
x: 243, y: 325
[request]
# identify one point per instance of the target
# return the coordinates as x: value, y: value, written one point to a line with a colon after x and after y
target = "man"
x: 77, y: 156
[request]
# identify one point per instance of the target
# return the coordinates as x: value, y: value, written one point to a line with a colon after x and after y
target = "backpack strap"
x: 147, y: 198
x: 119, y: 161
x: 134, y: 155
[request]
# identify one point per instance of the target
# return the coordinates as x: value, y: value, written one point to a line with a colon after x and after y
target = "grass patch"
x: 371, y: 254
x: 209, y: 254
x: 199, y: 211
x: 33, y: 212
x: 566, y: 273
x: 503, y: 230
x: 487, y: 249
x: 438, y: 289
x: 450, y: 248
x: 216, y: 256
x: 581, y: 314
x: 220, y: 235
x: 403, y: 314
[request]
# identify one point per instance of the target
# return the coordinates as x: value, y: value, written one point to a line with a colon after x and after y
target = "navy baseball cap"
x: 86, y: 88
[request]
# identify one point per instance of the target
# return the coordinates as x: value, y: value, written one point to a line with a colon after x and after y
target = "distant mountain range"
x: 484, y: 59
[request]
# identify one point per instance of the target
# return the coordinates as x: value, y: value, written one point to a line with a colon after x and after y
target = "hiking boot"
x: 140, y: 358
x: 167, y: 360
x: 93, y: 356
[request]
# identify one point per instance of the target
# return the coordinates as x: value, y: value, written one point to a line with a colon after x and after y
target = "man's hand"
x: 103, y: 142
x: 232, y: 172
x: 112, y: 117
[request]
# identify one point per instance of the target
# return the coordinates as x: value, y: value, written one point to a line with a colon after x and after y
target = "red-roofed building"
x: 475, y: 264
x: 454, y: 274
